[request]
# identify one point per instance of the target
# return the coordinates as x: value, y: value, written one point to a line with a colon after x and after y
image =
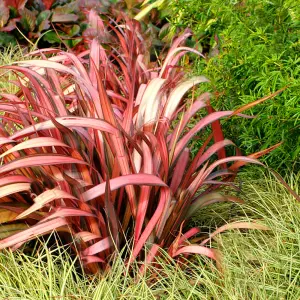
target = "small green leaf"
x: 13, y: 12
x: 7, y: 39
x: 51, y: 37
x: 164, y: 31
x: 74, y: 30
x: 83, y: 26
x: 44, y: 15
x: 73, y: 42
x: 210, y: 23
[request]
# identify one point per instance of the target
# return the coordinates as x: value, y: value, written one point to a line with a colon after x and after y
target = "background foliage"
x: 64, y: 23
x: 47, y: 22
x: 252, y: 50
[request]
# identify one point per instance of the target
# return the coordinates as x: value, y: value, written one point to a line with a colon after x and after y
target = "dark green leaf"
x: 73, y: 42
x: 7, y: 39
x: 13, y: 12
x: 51, y: 37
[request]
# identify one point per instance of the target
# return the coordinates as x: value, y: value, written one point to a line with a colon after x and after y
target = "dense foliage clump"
x: 252, y: 49
x: 96, y: 145
x: 96, y: 142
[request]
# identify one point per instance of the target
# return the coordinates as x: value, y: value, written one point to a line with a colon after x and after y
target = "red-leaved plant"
x: 97, y: 145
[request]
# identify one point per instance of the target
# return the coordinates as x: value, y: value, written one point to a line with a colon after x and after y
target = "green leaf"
x: 7, y: 39
x: 74, y: 30
x: 72, y: 43
x: 28, y: 19
x: 164, y: 31
x: 13, y: 12
x: 83, y: 26
x: 44, y: 15
x: 51, y: 37
x: 42, y: 20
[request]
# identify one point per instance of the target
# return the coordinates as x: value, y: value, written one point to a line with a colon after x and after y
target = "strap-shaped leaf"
x: 32, y: 232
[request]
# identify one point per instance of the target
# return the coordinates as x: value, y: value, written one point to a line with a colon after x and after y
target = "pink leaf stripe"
x: 98, y: 247
x: 172, y: 53
x: 236, y: 225
x: 195, y: 249
x: 67, y: 122
x: 92, y: 259
x: 178, y: 92
x: 179, y: 170
x: 14, y: 188
x: 14, y: 179
x: 87, y: 236
x: 150, y: 226
x: 37, y: 142
x: 212, y: 150
x: 69, y: 212
x: 198, y: 127
x: 39, y: 160
x: 4, y: 140
x: 45, y: 198
x: 46, y: 64
x: 116, y: 183
x: 188, y: 234
x: 32, y: 232
x: 230, y: 159
x: 200, y: 202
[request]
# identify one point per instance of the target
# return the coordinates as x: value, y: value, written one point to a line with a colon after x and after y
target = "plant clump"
x: 96, y: 144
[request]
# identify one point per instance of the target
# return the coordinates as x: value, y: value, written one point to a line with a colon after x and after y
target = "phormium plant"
x: 96, y: 145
